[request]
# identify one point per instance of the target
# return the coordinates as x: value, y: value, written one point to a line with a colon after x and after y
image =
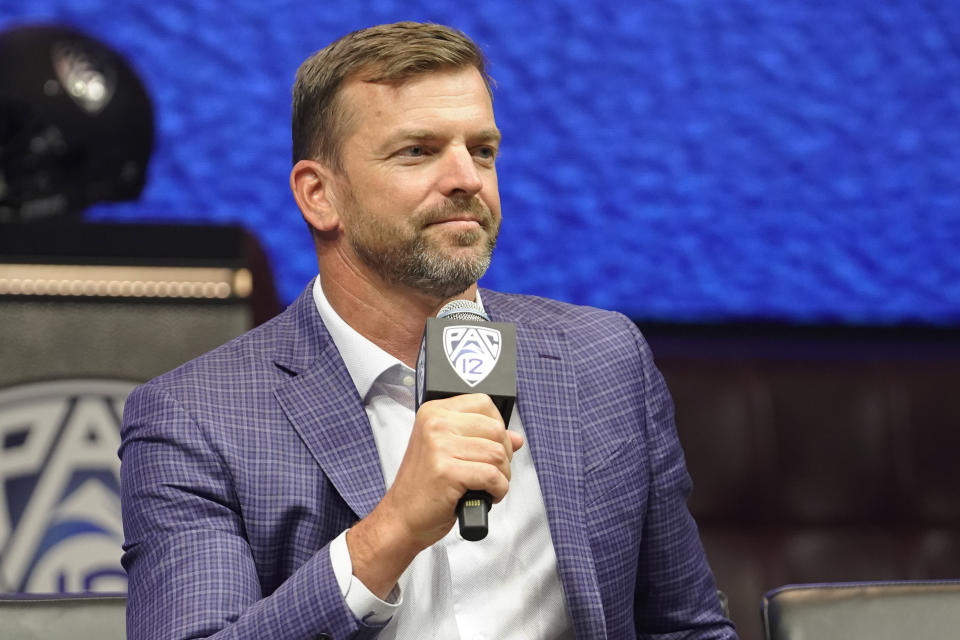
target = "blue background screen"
x: 679, y: 161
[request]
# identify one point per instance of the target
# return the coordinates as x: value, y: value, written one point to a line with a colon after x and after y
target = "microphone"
x: 463, y: 352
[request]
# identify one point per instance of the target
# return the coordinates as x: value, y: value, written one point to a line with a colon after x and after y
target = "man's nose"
x: 461, y: 175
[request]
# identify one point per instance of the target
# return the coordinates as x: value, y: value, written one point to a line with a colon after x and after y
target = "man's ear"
x: 312, y: 183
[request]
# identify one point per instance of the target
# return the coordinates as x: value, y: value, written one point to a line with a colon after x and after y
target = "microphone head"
x: 465, y: 310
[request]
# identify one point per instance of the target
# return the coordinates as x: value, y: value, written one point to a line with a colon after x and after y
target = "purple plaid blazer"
x: 239, y: 467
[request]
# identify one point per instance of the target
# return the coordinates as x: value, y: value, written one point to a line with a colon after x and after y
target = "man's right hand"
x: 457, y: 444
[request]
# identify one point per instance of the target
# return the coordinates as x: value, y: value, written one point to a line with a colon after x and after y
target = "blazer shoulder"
x: 536, y: 310
x: 290, y: 339
x: 593, y: 335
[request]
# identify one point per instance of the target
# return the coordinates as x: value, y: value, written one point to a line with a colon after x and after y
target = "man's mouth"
x: 458, y: 221
x: 460, y: 215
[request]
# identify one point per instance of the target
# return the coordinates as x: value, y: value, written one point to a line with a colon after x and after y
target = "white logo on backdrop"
x: 60, y: 527
x: 472, y: 351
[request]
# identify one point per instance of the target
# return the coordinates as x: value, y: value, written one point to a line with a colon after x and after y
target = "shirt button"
x: 408, y: 380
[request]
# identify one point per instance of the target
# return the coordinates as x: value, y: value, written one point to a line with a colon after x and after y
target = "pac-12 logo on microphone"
x: 472, y: 351
x: 60, y: 528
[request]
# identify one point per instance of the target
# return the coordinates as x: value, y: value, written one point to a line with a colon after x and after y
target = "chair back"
x: 56, y: 616
x: 927, y: 610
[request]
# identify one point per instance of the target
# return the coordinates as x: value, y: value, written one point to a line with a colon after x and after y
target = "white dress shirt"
x: 504, y: 586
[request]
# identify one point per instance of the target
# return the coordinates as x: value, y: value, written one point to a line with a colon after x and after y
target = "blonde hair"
x: 384, y: 53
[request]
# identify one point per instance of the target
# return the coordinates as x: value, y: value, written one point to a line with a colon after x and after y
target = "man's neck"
x: 389, y: 315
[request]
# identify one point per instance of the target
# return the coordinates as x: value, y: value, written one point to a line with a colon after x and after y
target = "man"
x: 282, y: 486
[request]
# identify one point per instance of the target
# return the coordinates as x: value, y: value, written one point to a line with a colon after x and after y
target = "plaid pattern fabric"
x: 599, y: 422
x: 239, y: 467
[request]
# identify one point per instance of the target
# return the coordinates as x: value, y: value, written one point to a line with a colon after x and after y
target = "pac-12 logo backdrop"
x: 472, y: 351
x: 60, y: 527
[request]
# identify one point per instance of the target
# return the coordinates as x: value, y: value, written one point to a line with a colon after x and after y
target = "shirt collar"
x: 365, y: 361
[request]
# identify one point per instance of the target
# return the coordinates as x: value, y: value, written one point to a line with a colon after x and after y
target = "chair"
x: 924, y: 610
x: 54, y: 616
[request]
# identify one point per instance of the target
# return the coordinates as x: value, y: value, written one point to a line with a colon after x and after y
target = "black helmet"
x: 76, y: 124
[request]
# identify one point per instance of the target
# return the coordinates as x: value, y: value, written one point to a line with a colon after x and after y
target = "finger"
x: 479, y: 476
x: 512, y: 442
x: 484, y: 451
x: 479, y: 403
x: 438, y: 419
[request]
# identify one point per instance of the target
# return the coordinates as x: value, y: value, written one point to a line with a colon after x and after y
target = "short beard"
x: 413, y: 261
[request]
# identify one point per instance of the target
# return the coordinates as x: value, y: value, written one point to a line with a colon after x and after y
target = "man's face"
x: 418, y: 196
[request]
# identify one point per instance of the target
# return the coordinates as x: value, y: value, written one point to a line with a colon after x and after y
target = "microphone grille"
x: 466, y: 310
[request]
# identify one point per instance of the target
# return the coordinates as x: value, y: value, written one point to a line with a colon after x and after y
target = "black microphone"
x: 463, y: 352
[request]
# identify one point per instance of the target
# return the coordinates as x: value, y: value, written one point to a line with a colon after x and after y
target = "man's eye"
x: 486, y: 152
x: 415, y: 151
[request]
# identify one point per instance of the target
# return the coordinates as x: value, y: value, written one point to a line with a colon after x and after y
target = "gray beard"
x: 414, y: 262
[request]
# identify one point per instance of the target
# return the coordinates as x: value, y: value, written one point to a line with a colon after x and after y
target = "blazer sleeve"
x: 191, y: 571
x: 675, y: 594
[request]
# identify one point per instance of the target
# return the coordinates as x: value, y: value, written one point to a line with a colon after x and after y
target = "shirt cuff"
x: 366, y: 607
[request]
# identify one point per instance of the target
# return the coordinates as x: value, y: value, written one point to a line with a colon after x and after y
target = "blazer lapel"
x: 547, y: 403
x: 322, y: 404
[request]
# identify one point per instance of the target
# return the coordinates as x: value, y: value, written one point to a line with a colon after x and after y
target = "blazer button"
x: 324, y: 636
